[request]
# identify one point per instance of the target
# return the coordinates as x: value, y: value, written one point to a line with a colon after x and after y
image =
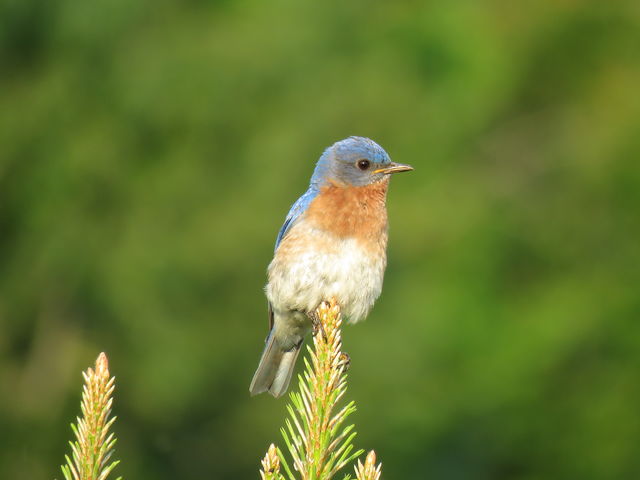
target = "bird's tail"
x: 275, y: 368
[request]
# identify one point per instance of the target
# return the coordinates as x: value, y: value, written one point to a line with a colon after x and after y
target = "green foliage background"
x: 150, y: 150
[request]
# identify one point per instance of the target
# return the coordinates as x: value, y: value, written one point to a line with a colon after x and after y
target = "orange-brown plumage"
x: 349, y: 211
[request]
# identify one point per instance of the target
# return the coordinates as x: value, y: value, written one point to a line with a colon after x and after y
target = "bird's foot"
x: 317, y: 326
x: 345, y: 360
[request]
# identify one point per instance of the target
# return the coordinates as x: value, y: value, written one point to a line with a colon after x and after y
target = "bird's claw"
x: 317, y: 326
x: 345, y: 360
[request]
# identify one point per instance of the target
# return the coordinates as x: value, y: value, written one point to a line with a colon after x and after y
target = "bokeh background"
x: 150, y: 151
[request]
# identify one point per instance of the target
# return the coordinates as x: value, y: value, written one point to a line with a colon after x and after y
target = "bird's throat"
x: 357, y: 212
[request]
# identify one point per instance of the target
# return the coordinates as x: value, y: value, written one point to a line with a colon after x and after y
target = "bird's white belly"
x: 303, y: 274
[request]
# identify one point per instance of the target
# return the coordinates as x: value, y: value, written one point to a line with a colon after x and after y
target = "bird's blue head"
x: 354, y: 161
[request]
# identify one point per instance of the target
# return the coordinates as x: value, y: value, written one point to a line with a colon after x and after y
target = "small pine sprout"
x: 93, y: 447
x: 271, y: 465
x: 369, y: 471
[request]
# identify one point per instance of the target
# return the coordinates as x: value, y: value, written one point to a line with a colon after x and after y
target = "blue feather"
x: 297, y: 209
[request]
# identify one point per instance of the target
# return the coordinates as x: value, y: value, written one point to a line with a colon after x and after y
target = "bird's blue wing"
x: 297, y: 209
x: 295, y: 212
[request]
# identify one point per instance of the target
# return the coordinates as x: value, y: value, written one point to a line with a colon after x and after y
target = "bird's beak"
x: 394, y: 168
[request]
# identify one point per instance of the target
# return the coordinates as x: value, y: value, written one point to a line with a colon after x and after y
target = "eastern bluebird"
x: 332, y: 245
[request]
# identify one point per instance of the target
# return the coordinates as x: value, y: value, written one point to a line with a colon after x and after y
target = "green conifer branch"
x: 92, y: 450
x: 317, y: 440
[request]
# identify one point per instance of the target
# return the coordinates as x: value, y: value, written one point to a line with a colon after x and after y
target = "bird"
x: 332, y: 246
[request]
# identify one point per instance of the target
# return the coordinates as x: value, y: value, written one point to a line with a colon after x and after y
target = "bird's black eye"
x: 363, y: 164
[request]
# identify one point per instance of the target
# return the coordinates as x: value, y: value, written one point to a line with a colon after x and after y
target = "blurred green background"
x: 149, y: 152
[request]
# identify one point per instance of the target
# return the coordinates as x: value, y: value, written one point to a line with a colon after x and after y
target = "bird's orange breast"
x: 357, y: 212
